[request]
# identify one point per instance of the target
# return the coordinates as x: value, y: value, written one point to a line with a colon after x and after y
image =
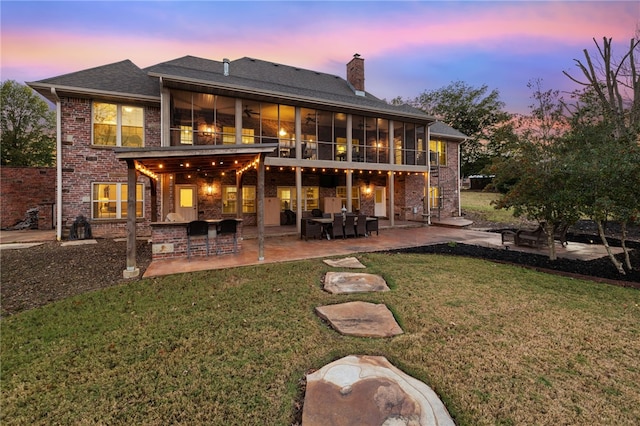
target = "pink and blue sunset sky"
x: 409, y: 47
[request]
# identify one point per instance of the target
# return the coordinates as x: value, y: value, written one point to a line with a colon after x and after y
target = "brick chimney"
x: 355, y: 74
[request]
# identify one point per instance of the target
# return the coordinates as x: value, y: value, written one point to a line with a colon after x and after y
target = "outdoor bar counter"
x: 169, y: 240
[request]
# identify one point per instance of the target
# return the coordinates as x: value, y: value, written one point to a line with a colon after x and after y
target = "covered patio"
x: 154, y: 162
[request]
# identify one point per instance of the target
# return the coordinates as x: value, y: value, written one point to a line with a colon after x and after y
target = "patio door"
x: 380, y: 197
x: 187, y: 202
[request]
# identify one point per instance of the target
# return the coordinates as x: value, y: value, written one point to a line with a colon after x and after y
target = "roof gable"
x: 445, y: 131
x: 122, y: 77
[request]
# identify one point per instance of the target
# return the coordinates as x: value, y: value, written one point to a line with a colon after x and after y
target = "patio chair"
x: 197, y: 228
x: 350, y: 226
x: 337, y: 228
x: 361, y: 226
x: 310, y: 229
x: 372, y: 225
x: 227, y: 227
x: 316, y: 213
x: 531, y: 238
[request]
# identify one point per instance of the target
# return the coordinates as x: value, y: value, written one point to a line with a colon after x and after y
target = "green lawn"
x: 499, y: 344
x: 479, y: 203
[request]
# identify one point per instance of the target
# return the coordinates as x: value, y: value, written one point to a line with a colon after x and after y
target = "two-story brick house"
x: 191, y: 135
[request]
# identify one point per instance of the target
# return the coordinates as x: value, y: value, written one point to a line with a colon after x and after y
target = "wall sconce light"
x: 209, y: 189
x: 207, y: 131
x: 367, y: 190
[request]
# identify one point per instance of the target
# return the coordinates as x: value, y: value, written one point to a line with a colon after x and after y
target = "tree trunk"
x: 548, y: 229
x: 615, y: 261
x: 623, y: 243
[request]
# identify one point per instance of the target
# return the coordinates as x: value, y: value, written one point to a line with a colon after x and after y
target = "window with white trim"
x: 437, y: 153
x: 117, y: 125
x: 434, y: 196
x: 310, y: 198
x: 109, y: 200
x: 341, y: 192
x: 186, y: 135
x: 230, y: 199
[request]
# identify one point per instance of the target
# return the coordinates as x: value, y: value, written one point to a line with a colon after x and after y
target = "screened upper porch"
x: 206, y: 119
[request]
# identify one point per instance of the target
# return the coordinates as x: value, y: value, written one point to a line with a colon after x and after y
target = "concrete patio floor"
x: 283, y: 246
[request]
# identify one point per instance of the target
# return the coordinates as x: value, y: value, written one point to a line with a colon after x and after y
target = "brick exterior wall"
x: 409, y: 196
x: 448, y: 181
x: 210, y: 206
x: 84, y: 164
x: 24, y: 188
x: 170, y: 241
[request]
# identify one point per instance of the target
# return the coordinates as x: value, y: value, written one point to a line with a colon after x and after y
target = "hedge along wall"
x: 23, y: 188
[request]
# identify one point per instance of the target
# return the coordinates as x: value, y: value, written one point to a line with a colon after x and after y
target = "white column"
x: 260, y: 208
x: 349, y: 174
x: 132, y: 270
x: 238, y: 121
x: 392, y: 192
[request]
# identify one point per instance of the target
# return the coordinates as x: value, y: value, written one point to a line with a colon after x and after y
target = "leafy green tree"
x: 27, y: 126
x: 606, y: 135
x: 474, y: 111
x: 605, y: 172
x: 533, y: 174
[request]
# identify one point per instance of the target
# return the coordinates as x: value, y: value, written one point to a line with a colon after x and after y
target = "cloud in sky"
x: 409, y: 47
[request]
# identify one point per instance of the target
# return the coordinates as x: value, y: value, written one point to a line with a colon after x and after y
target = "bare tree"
x: 611, y: 86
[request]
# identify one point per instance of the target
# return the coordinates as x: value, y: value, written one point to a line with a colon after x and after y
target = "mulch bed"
x: 584, y: 231
x: 46, y: 273
x: 600, y: 270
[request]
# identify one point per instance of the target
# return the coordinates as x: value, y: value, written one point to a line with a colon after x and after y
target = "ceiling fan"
x: 310, y: 119
x: 249, y: 112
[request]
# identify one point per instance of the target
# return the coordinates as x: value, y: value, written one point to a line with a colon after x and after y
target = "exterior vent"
x: 225, y: 63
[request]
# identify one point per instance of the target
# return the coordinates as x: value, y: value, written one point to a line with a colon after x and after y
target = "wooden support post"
x: 132, y: 271
x: 154, y: 199
x: 260, y: 207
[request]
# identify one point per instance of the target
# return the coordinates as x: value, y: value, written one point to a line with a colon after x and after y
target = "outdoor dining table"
x: 327, y: 222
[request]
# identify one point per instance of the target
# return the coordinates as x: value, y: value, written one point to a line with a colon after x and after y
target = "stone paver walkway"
x: 361, y: 319
x: 369, y: 390
x: 353, y: 282
x: 346, y: 262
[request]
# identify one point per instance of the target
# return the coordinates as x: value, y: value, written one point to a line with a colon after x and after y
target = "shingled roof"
x: 255, y: 76
x: 121, y: 79
x: 440, y: 129
x: 249, y: 76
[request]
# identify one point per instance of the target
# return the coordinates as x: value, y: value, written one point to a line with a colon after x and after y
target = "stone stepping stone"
x: 360, y: 319
x: 77, y: 243
x: 353, y: 282
x: 347, y: 262
x: 369, y: 390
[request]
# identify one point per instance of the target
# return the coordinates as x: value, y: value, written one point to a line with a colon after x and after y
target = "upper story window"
x: 118, y: 125
x: 186, y: 135
x: 437, y: 153
x: 209, y: 119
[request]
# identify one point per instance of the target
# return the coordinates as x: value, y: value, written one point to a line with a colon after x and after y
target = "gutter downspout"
x: 58, y: 165
x: 428, y: 194
x: 459, y: 180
